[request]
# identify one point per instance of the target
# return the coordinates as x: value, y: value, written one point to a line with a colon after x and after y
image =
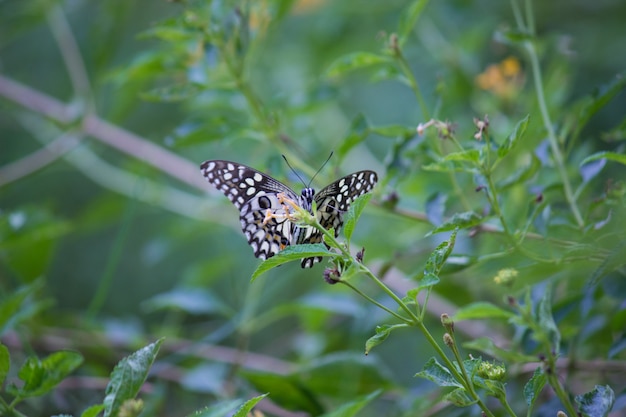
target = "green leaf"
x: 173, y: 93
x: 353, y: 214
x: 353, y: 407
x: 28, y: 237
x: 469, y: 155
x: 41, y: 376
x: 408, y: 19
x: 128, y: 377
x: 247, y: 406
x: 521, y: 175
x: 482, y: 310
x: 428, y: 280
x: 459, y: 397
x: 460, y: 220
x: 494, y: 388
x: 355, y: 61
x: 292, y: 253
x: 5, y: 363
x: 93, y: 411
x: 15, y: 308
x: 546, y: 321
x: 287, y: 391
x: 611, y: 156
x: 599, y: 100
x: 596, y: 403
x: 382, y: 332
x: 326, y: 375
x: 359, y: 129
x: 512, y: 36
x: 534, y: 386
x: 169, y: 33
x: 438, y: 257
x: 438, y: 374
x: 514, y: 137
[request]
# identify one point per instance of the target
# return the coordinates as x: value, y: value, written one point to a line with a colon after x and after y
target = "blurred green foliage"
x: 496, y: 128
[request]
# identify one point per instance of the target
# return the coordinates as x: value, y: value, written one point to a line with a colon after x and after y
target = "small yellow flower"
x: 504, y: 79
x: 505, y: 276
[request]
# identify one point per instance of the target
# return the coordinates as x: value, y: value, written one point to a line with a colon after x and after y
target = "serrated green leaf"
x: 534, y: 386
x: 93, y: 411
x: 438, y: 257
x: 292, y: 253
x: 41, y: 376
x: 247, y: 406
x: 596, y: 403
x: 353, y: 407
x: 428, y: 280
x: 353, y: 62
x: 408, y: 19
x: 438, y: 374
x: 353, y: 214
x: 611, y: 156
x: 514, y: 137
x: 460, y: 220
x: 459, y: 397
x: 5, y: 363
x: 482, y: 310
x: 128, y: 377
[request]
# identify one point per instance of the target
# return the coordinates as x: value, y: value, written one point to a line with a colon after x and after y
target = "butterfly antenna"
x: 322, y: 167
x: 294, y: 171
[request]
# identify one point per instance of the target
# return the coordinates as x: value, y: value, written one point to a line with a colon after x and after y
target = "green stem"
x: 415, y: 320
x: 376, y: 303
x: 554, y: 382
x: 545, y: 115
x: 507, y: 407
x: 406, y: 70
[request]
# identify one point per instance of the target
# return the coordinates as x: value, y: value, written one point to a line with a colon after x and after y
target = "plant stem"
x: 376, y: 303
x: 543, y: 108
x: 406, y: 70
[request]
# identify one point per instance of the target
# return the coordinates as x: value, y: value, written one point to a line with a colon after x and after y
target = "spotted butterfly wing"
x: 334, y: 200
x: 254, y: 193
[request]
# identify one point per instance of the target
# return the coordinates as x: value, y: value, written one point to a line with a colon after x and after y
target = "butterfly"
x: 264, y: 216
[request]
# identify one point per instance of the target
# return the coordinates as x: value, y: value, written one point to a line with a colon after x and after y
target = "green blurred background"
x: 184, y: 271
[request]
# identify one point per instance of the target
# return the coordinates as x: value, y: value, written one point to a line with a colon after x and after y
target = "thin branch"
x: 38, y: 159
x: 72, y: 57
x: 107, y: 133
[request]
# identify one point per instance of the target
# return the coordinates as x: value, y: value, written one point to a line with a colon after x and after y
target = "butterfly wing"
x: 253, y: 193
x: 334, y: 200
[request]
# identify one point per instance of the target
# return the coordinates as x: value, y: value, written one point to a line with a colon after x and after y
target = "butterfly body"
x: 263, y: 214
